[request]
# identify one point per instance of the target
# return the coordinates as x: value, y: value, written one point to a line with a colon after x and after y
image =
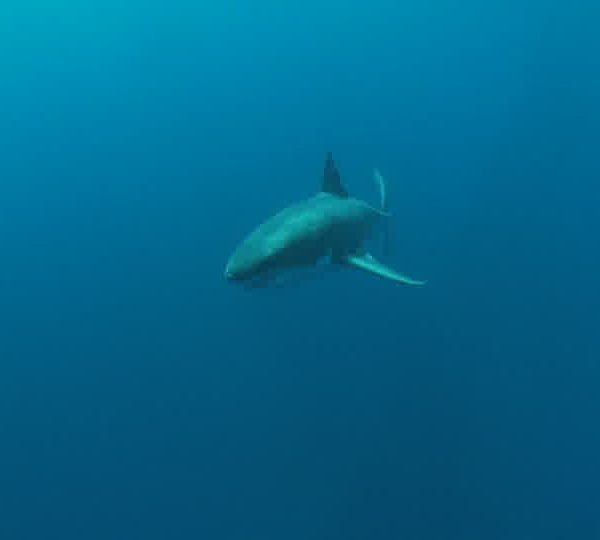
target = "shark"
x: 330, y: 227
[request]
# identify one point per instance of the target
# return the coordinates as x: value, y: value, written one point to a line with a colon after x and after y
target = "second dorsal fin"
x: 332, y: 182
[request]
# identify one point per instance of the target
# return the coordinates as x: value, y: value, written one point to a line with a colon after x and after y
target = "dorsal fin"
x: 332, y: 182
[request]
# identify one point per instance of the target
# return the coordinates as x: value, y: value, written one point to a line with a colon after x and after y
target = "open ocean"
x: 144, y: 397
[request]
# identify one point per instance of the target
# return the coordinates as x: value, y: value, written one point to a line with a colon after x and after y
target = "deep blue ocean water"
x: 143, y: 397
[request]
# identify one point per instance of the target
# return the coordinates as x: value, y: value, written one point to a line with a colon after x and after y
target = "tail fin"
x: 384, y: 204
x: 383, y: 195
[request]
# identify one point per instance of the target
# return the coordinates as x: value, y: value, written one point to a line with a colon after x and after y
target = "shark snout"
x: 229, y: 276
x: 242, y: 264
x: 233, y: 271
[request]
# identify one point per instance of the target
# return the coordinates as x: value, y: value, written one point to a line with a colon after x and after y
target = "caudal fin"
x: 385, y: 209
x: 383, y: 192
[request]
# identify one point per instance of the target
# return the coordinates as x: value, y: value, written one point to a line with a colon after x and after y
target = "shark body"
x: 330, y: 226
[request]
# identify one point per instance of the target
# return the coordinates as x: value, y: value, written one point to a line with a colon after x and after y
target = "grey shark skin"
x: 331, y: 225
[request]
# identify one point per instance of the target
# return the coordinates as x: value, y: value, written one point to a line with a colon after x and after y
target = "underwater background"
x: 143, y: 396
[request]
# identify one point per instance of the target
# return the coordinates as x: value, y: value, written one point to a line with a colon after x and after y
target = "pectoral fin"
x: 368, y: 263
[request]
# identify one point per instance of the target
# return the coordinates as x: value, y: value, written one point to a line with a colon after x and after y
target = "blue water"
x: 143, y: 397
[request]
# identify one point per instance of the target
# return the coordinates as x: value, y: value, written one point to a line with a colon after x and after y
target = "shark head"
x: 249, y: 262
x: 267, y: 253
